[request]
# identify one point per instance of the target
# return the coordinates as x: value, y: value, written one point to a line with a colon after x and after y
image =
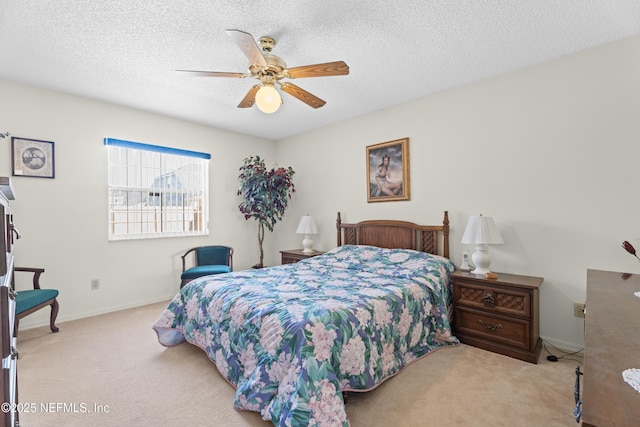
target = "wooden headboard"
x: 396, y: 234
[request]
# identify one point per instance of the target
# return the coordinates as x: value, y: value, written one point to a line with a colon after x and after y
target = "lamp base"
x: 481, y: 259
x: 307, y: 244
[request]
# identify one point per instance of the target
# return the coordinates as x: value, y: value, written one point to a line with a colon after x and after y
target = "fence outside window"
x: 156, y: 191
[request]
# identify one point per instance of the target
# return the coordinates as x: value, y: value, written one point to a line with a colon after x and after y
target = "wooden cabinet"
x: 611, y: 346
x: 499, y: 315
x: 8, y: 385
x: 294, y: 255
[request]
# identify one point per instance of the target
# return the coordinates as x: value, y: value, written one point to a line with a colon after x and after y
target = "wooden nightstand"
x: 294, y: 255
x: 499, y: 315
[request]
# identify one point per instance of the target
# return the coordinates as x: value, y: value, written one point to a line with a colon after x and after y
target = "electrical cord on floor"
x: 565, y: 355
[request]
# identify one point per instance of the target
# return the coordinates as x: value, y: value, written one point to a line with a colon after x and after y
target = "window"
x: 156, y: 191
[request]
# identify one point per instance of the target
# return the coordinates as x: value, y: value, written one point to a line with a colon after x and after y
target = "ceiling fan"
x: 270, y: 69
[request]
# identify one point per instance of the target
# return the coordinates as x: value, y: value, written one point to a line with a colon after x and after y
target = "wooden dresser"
x: 612, y: 345
x: 499, y: 315
x: 8, y: 385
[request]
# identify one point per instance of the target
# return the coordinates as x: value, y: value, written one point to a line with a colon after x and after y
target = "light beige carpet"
x: 110, y: 370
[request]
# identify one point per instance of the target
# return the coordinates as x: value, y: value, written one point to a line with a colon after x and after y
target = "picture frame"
x: 390, y: 183
x: 32, y: 157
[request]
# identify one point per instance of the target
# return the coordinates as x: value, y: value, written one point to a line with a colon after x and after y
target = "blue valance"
x: 148, y: 147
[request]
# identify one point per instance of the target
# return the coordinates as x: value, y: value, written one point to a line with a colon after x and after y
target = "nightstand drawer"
x: 499, y: 315
x: 479, y: 324
x: 294, y: 255
x: 496, y: 299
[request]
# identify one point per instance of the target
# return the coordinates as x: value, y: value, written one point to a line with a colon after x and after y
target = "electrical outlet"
x: 578, y: 309
x: 95, y: 284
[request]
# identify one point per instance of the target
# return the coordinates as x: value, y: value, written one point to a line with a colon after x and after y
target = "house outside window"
x: 156, y: 191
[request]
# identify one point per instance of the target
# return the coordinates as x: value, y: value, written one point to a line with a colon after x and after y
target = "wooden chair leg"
x: 54, y: 315
x: 52, y: 318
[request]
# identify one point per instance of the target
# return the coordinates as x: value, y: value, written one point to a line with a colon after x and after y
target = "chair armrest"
x: 184, y: 258
x: 36, y: 274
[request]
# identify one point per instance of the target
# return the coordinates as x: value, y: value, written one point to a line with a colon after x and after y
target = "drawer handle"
x: 577, y: 412
x: 488, y: 298
x: 576, y: 387
x: 491, y: 328
x: 16, y: 232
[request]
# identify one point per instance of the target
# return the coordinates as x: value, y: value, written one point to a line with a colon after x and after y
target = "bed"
x: 292, y: 339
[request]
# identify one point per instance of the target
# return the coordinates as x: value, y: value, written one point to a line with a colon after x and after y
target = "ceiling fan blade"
x: 302, y: 95
x: 250, y: 98
x: 212, y: 73
x: 248, y: 46
x: 337, y: 68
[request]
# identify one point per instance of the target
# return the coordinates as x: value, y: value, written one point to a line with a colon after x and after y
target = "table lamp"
x: 481, y: 231
x: 307, y: 226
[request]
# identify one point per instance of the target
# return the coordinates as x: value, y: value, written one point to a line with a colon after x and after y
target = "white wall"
x: 551, y: 152
x: 64, y: 220
x: 556, y: 145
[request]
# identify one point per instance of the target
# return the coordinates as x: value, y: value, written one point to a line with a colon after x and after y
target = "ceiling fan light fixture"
x: 268, y: 99
x: 269, y: 69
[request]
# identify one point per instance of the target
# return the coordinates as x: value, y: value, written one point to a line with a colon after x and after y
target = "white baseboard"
x: 563, y: 345
x: 25, y: 324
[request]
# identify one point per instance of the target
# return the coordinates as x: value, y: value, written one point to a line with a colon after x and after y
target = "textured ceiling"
x: 126, y: 51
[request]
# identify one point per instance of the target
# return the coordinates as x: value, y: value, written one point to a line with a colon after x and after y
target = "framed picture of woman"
x: 388, y: 171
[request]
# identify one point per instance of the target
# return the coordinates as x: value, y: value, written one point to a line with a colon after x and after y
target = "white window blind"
x: 156, y: 191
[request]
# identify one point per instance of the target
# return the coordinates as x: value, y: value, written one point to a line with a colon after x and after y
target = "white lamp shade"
x: 307, y: 226
x: 481, y: 231
x: 268, y: 99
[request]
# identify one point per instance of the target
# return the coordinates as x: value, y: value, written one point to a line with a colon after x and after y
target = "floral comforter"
x: 292, y: 338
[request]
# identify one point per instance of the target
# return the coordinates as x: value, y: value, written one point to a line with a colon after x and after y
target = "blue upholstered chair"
x: 31, y: 300
x: 207, y: 260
